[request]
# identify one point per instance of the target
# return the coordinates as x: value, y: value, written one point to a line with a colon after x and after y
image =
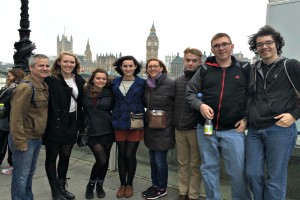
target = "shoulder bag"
x: 83, y: 137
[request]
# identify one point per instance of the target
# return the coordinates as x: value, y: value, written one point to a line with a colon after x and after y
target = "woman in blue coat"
x: 128, y: 92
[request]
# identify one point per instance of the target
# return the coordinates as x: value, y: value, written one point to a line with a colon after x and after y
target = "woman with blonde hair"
x: 64, y: 117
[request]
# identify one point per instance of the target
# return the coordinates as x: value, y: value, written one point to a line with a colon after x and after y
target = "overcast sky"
x: 114, y: 26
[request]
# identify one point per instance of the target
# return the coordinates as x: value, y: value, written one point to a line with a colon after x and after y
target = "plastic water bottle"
x: 2, y: 110
x: 208, y: 125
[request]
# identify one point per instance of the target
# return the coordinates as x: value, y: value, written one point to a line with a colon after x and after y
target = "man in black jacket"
x: 189, y: 177
x: 272, y: 112
x: 222, y: 82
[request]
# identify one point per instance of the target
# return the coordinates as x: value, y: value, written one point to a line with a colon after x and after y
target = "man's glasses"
x: 268, y: 43
x: 224, y: 45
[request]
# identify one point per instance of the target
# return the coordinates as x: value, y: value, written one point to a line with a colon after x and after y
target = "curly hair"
x: 18, y: 75
x: 160, y: 64
x: 56, y: 68
x: 265, y: 31
x: 118, y: 63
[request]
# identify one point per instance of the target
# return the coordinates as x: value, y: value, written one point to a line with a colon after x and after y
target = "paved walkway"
x: 79, y: 170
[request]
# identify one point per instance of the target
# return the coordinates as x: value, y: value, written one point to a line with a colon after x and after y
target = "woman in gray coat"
x: 159, y: 95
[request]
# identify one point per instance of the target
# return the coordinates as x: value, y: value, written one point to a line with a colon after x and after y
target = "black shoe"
x: 65, y: 193
x: 55, y: 190
x: 100, y: 191
x: 89, y: 193
x: 156, y: 194
x: 148, y: 191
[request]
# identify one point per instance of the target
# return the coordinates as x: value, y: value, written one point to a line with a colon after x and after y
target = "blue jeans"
x: 24, y: 167
x: 270, y: 148
x: 159, y: 168
x: 230, y: 145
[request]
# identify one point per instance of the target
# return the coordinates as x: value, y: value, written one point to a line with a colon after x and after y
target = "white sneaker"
x: 8, y: 170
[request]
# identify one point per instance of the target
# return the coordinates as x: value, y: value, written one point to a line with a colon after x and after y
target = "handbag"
x: 296, y: 91
x: 136, y: 121
x: 157, y: 119
x: 83, y: 137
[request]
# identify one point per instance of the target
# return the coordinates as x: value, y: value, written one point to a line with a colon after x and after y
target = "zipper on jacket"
x: 221, y: 96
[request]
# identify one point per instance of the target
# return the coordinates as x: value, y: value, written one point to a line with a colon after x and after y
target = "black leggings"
x: 52, y: 151
x: 127, y: 161
x: 101, y: 154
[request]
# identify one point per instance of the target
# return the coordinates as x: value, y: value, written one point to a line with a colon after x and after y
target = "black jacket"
x: 60, y: 95
x: 161, y: 98
x: 99, y: 118
x: 185, y: 118
x: 273, y: 94
x: 223, y: 89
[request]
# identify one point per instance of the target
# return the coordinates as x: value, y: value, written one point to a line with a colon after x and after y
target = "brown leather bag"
x: 157, y: 119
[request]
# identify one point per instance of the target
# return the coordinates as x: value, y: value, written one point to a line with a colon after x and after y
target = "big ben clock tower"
x: 152, y: 44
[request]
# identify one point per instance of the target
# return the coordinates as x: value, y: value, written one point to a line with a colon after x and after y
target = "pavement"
x: 79, y: 169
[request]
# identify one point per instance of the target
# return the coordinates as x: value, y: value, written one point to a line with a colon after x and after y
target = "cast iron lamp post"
x: 24, y: 47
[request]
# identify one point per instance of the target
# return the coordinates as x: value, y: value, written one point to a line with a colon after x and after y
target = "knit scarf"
x: 151, y: 82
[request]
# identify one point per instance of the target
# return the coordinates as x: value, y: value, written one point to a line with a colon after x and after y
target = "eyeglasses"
x: 268, y: 43
x: 153, y: 67
x: 224, y: 45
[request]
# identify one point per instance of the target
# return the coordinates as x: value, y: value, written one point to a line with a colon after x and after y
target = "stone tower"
x: 152, y: 44
x: 88, y: 52
x: 64, y: 44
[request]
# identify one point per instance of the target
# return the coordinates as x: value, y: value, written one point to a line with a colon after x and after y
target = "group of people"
x: 236, y: 96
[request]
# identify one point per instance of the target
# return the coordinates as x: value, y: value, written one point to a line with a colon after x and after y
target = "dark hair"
x: 118, y: 63
x: 18, y: 75
x: 56, y: 68
x: 219, y: 35
x: 160, y: 64
x: 266, y: 31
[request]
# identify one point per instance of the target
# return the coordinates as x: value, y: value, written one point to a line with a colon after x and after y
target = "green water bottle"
x: 208, y: 127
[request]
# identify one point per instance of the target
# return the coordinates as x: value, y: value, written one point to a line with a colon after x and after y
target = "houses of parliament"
x: 174, y: 63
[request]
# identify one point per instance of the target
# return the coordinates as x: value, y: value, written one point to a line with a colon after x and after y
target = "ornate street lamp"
x: 24, y: 47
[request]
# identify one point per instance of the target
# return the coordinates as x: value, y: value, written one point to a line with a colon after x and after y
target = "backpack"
x: 5, y: 96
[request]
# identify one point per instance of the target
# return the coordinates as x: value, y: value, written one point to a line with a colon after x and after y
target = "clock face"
x: 155, y: 43
x: 149, y: 43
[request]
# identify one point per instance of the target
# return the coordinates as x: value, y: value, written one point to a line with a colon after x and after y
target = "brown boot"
x: 121, y: 192
x: 183, y: 197
x: 128, y: 191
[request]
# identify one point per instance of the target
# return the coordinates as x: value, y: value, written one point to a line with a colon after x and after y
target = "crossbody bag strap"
x: 93, y: 112
x: 284, y: 63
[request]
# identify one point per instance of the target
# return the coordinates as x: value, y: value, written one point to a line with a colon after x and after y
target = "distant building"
x: 152, y: 44
x: 177, y: 66
x: 240, y: 57
x: 64, y: 44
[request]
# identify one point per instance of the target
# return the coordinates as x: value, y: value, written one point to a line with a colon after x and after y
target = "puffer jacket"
x: 185, y: 118
x: 161, y: 98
